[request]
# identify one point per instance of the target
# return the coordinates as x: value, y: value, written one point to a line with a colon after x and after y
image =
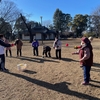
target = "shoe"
x: 5, y: 70
x: 84, y: 83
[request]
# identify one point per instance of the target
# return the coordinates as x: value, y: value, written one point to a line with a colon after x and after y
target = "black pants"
x: 9, y: 52
x: 2, y: 62
x: 19, y: 51
x: 58, y: 53
x: 47, y: 53
x: 35, y: 51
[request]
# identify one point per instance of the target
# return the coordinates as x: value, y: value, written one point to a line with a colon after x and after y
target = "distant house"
x: 40, y: 33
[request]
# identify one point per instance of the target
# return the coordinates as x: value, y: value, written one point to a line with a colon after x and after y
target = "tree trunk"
x: 29, y: 29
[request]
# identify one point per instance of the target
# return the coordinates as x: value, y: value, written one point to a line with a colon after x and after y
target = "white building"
x: 40, y: 33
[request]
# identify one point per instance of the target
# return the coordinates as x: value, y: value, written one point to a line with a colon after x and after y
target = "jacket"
x: 19, y: 44
x: 2, y: 46
x: 57, y: 44
x: 86, y: 54
x: 35, y: 44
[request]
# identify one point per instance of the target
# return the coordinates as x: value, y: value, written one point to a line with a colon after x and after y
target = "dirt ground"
x: 50, y: 78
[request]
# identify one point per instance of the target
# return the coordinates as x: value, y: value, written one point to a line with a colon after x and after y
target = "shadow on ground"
x: 66, y: 59
x: 96, y: 65
x: 35, y: 59
x: 29, y: 72
x: 59, y: 87
x: 94, y: 69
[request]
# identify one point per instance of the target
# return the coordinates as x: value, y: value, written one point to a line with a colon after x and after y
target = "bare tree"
x: 8, y: 11
x: 96, y: 21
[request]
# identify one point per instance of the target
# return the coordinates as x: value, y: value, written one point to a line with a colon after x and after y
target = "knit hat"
x: 85, y: 40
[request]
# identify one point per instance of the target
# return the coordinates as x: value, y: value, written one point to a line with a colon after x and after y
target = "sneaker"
x: 84, y: 83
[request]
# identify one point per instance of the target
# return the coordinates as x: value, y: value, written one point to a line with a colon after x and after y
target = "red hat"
x: 85, y: 39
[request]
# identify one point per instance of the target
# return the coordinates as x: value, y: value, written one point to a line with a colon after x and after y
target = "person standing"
x: 19, y: 45
x: 57, y: 47
x: 86, y: 58
x: 2, y: 52
x: 78, y: 47
x: 8, y: 48
x: 35, y: 45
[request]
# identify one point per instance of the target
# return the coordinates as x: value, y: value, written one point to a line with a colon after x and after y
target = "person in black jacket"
x: 2, y: 52
x: 46, y: 51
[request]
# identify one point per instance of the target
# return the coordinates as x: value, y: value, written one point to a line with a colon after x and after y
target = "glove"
x: 77, y: 47
x: 12, y: 45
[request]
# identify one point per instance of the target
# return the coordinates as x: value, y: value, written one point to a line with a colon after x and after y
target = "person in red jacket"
x: 86, y: 58
x: 78, y: 47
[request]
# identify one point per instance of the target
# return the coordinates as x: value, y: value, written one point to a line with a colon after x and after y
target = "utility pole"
x: 41, y: 20
x: 41, y: 25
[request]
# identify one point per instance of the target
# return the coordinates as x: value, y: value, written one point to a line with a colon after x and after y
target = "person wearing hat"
x: 86, y: 58
x: 78, y: 47
x: 2, y: 52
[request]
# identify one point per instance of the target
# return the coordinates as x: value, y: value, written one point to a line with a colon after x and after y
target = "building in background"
x: 40, y: 33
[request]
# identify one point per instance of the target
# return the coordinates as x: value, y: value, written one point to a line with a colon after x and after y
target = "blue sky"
x: 46, y: 8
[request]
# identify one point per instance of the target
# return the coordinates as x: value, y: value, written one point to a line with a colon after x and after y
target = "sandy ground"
x: 49, y: 78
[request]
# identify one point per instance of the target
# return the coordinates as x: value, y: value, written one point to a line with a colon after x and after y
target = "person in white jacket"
x: 57, y: 47
x: 2, y: 52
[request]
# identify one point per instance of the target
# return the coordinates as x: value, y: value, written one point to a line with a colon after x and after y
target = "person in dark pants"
x: 19, y: 45
x: 2, y: 52
x: 35, y: 45
x: 57, y: 47
x: 8, y: 49
x: 46, y: 51
x: 58, y: 53
x: 86, y: 58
